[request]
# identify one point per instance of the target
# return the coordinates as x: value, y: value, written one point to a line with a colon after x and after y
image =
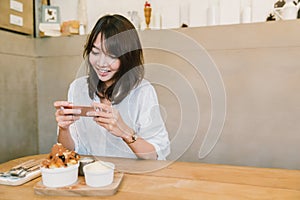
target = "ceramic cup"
x: 83, y: 162
x: 99, y: 174
x: 60, y: 177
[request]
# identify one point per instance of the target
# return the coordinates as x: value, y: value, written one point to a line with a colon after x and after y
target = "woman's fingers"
x: 64, y: 124
x: 99, y: 114
x: 105, y: 119
x: 64, y: 121
x: 67, y: 118
x: 102, y: 107
x: 59, y: 104
x: 67, y: 111
x: 61, y: 111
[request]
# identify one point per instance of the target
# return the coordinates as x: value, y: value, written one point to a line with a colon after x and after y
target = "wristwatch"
x: 131, y: 138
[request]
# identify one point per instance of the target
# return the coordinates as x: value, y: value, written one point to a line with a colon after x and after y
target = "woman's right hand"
x: 65, y: 115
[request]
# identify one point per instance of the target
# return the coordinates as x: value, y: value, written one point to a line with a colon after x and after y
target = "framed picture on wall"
x: 50, y: 14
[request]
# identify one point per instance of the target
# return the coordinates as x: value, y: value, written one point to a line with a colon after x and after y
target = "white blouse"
x: 139, y: 110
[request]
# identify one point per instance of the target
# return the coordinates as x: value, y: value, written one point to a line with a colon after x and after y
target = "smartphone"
x: 84, y: 110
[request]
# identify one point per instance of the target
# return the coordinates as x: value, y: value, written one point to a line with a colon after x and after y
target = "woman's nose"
x: 101, y: 61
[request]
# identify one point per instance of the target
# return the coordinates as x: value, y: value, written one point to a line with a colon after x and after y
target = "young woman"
x: 126, y: 121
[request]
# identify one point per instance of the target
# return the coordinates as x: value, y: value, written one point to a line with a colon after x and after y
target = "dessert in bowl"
x: 60, y: 168
x: 99, y: 173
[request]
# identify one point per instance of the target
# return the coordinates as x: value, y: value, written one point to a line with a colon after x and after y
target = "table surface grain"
x: 144, y: 179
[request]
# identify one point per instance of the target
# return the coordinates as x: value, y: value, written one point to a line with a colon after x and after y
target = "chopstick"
x: 24, y: 168
x: 22, y: 164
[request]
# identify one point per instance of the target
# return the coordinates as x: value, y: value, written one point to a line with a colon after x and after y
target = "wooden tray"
x: 80, y: 188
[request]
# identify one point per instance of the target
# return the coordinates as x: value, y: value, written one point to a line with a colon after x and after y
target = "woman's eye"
x: 113, y: 57
x: 95, y: 52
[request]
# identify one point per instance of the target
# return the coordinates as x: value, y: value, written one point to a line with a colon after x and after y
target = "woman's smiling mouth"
x: 104, y: 70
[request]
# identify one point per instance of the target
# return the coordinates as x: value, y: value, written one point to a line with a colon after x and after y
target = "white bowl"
x: 60, y: 177
x: 83, y: 162
x: 99, y: 174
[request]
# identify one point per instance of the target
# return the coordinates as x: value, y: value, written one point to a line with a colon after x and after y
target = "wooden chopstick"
x: 28, y: 164
x: 22, y: 164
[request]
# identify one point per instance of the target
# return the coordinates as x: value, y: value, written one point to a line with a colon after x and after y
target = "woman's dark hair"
x: 121, y: 41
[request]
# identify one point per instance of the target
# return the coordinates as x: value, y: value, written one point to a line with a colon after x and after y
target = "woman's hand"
x: 110, y: 118
x: 65, y: 115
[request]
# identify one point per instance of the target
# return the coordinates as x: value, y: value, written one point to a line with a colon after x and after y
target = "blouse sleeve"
x: 150, y: 125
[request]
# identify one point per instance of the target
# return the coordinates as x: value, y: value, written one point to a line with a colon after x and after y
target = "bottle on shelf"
x: 147, y: 14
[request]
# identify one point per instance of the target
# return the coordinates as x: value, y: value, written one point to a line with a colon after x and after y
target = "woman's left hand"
x: 110, y: 118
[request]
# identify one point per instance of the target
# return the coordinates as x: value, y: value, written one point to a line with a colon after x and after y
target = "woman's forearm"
x: 143, y: 149
x: 64, y: 137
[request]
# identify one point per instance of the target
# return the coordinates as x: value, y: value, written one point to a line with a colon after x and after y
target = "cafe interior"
x: 227, y: 80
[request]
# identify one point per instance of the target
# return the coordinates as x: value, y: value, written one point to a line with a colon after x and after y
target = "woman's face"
x: 104, y: 65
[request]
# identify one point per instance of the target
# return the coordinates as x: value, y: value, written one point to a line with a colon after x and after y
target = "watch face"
x: 134, y: 137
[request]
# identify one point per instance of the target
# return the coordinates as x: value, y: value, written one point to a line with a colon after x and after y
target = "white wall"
x: 229, y: 10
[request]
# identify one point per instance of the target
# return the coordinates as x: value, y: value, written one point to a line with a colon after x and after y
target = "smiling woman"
x: 110, y: 37
x: 127, y: 121
x: 104, y: 65
x: 258, y: 131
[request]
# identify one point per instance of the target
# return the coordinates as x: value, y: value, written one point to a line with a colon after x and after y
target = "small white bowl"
x: 60, y: 177
x: 83, y: 162
x: 99, y: 174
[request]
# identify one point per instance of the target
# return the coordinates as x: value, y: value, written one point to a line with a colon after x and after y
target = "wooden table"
x: 181, y: 180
